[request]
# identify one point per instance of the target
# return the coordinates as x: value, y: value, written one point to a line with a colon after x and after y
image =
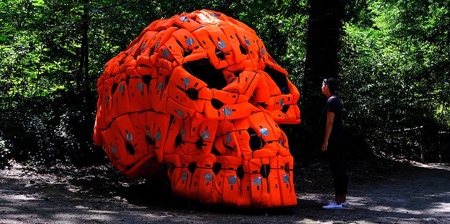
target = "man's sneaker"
x: 344, y: 204
x: 332, y: 205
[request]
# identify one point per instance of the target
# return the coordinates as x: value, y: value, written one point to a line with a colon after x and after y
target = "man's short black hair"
x: 332, y: 83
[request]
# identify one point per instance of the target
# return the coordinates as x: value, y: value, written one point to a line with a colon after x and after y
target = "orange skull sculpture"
x: 199, y: 94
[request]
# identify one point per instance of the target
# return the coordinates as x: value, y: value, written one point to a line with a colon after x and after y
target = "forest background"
x: 391, y: 56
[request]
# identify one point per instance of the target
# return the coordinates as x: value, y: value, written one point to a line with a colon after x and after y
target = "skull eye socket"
x: 205, y: 71
x: 279, y: 78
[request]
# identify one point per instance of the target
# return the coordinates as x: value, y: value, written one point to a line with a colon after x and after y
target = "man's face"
x: 324, y: 88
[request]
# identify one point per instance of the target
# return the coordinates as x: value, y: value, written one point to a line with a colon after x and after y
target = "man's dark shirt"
x: 335, y: 105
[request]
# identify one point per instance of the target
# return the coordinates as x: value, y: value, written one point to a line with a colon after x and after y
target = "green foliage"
x: 44, y: 94
x: 396, y: 73
x: 282, y: 26
x: 394, y: 68
x: 46, y: 130
x: 38, y: 60
x: 30, y: 65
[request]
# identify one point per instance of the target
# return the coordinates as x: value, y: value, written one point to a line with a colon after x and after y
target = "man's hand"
x: 324, y: 146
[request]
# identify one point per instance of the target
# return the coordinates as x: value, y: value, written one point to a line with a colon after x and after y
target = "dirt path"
x: 418, y: 194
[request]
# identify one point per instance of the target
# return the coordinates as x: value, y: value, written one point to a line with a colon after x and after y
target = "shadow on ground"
x: 397, y: 193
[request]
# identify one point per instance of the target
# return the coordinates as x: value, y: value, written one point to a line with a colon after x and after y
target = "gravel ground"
x: 413, y: 193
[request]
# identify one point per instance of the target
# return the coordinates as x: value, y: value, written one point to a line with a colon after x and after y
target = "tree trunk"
x: 85, y: 53
x: 86, y: 118
x: 325, y: 24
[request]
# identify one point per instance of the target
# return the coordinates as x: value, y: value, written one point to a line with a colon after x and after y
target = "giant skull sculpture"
x: 198, y: 93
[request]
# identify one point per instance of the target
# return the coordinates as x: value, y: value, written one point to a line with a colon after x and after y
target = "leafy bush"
x: 48, y: 130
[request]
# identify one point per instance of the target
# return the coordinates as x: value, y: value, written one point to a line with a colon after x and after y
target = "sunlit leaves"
x: 38, y: 3
x: 396, y: 70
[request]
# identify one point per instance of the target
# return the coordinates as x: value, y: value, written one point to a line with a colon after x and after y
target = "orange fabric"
x: 205, y: 37
x: 145, y: 167
x: 144, y: 61
x: 206, y: 178
x: 236, y: 56
x: 106, y: 101
x: 138, y: 94
x: 182, y: 84
x: 265, y: 131
x: 250, y: 83
x: 228, y: 145
x: 184, y: 182
x: 226, y: 142
x: 157, y: 102
x: 217, y: 188
x: 231, y: 182
x: 112, y: 66
x: 156, y: 126
x: 125, y: 145
x: 294, y: 91
x: 172, y: 133
x: 185, y: 21
x: 259, y: 193
x: 140, y: 44
x: 286, y: 179
x: 121, y: 97
x: 273, y: 88
x: 228, y: 98
x: 171, y: 51
x: 219, y: 138
x: 127, y: 62
x: 291, y: 116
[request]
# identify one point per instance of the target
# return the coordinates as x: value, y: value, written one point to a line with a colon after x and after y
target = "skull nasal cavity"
x: 217, y: 104
x: 255, y: 141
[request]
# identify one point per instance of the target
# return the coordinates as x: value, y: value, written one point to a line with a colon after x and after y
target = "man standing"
x: 332, y: 147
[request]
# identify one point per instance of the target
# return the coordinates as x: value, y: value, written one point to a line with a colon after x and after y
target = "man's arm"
x: 328, y: 128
